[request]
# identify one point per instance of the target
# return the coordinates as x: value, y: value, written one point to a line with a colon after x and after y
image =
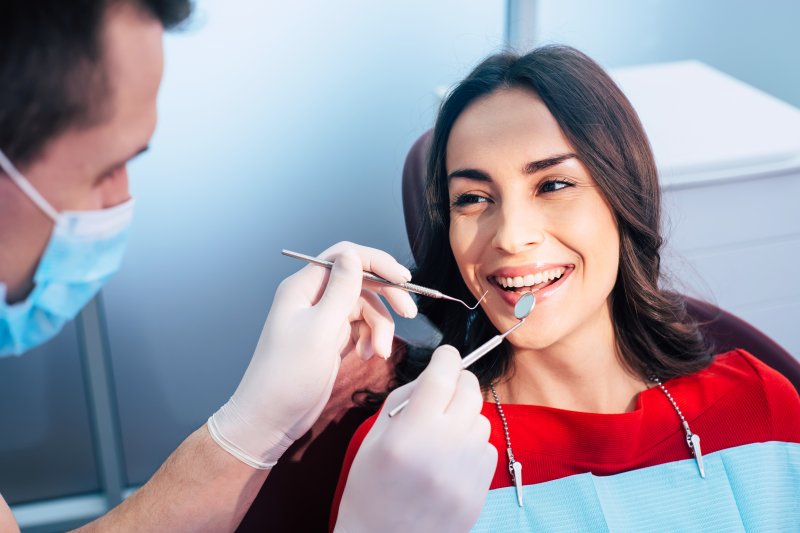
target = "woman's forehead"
x: 508, y: 126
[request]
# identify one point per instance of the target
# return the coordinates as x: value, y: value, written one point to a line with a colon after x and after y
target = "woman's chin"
x: 521, y: 340
x: 532, y: 335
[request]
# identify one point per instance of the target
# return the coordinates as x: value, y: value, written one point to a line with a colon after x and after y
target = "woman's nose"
x: 517, y: 229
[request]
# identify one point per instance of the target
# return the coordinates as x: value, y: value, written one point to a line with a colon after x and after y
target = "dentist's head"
x: 78, y: 87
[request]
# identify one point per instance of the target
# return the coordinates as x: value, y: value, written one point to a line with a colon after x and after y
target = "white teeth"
x: 530, y: 280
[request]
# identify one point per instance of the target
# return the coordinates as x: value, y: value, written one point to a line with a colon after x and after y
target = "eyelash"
x: 469, y: 198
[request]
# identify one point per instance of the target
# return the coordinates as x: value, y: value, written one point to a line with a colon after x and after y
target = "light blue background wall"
x: 757, y: 42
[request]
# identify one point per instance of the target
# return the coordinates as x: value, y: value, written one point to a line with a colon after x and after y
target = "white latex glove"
x: 429, y: 467
x: 318, y: 317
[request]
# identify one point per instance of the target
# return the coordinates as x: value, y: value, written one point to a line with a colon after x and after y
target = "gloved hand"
x: 429, y: 467
x: 318, y: 317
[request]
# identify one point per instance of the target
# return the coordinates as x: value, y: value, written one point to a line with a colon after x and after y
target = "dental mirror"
x: 522, y: 309
x: 524, y: 305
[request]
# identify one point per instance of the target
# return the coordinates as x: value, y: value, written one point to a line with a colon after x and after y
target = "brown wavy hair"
x: 653, y: 331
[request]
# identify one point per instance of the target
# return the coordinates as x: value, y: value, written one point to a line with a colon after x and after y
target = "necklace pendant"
x: 517, y: 467
x: 698, y: 454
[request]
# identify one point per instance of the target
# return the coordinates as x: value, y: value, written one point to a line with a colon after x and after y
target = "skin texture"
x: 565, y: 354
x: 7, y: 522
x: 85, y: 168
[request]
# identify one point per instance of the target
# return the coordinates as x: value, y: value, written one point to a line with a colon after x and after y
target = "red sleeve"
x: 352, y: 449
x: 782, y: 399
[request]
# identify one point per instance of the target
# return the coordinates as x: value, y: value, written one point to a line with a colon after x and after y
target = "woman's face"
x: 526, y: 216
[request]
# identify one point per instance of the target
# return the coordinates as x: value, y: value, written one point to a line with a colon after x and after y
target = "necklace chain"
x: 692, y: 439
x: 505, y: 429
x: 657, y: 381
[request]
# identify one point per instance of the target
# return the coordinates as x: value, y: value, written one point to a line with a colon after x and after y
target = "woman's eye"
x: 468, y: 199
x: 555, y: 185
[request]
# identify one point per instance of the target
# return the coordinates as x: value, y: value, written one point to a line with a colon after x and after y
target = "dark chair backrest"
x: 724, y: 329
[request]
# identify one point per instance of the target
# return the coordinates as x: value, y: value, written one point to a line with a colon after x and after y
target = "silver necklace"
x: 692, y: 439
x: 515, y: 467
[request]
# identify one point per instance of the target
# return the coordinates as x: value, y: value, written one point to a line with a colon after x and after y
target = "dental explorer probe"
x: 521, y: 311
x: 369, y: 276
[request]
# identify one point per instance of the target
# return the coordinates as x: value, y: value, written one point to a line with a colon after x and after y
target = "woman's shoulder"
x: 745, y: 385
x: 741, y: 368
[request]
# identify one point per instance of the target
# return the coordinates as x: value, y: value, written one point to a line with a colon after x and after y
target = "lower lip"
x: 511, y: 297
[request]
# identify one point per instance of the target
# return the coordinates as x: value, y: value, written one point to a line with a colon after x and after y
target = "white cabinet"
x: 729, y: 162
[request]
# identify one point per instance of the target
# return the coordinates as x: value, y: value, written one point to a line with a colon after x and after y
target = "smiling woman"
x: 541, y: 179
x: 540, y: 163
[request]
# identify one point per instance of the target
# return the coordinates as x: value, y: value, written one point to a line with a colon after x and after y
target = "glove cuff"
x: 247, y: 443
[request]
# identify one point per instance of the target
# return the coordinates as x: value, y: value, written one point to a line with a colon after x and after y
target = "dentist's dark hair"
x: 52, y: 74
x: 653, y: 330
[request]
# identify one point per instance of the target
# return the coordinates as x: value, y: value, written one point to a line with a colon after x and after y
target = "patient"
x: 608, y: 409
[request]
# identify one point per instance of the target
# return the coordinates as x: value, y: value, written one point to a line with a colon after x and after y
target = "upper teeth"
x: 531, y: 279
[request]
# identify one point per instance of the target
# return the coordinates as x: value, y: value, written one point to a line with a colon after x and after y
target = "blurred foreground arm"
x: 428, y: 469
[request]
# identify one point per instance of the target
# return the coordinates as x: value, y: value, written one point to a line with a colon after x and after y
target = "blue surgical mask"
x: 85, y: 249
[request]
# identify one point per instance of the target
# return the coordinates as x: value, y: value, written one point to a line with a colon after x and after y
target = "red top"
x: 736, y: 400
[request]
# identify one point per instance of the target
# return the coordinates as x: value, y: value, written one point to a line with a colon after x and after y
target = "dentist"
x: 78, y: 86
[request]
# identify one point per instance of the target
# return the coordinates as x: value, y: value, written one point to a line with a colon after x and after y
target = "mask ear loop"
x: 27, y: 188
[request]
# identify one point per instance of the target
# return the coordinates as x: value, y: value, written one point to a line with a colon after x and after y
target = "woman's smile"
x: 541, y: 279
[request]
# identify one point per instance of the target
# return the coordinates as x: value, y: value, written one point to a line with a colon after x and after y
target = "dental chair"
x: 299, y: 490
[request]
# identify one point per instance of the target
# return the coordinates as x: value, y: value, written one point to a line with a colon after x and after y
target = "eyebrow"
x: 530, y: 168
x: 136, y: 154
x: 537, y: 166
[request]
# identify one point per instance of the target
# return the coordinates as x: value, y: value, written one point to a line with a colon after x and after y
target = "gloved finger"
x: 343, y: 289
x: 486, y: 466
x: 489, y: 462
x: 400, y: 300
x: 372, y: 260
x: 302, y: 289
x: 377, y: 317
x: 437, y: 383
x: 476, y: 436
x: 483, y: 428
x: 395, y: 398
x: 467, y: 401
x: 364, y: 347
x: 349, y: 346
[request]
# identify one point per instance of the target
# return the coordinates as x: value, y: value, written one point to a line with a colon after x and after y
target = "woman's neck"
x: 582, y: 372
